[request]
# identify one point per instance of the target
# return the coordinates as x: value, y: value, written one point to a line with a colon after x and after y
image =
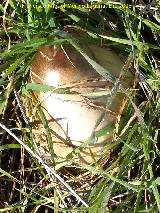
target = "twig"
x: 49, y: 171
x: 21, y: 107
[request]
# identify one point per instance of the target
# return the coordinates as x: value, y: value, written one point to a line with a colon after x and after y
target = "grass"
x: 129, y: 181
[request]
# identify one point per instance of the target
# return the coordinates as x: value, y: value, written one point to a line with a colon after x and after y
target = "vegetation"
x: 129, y: 181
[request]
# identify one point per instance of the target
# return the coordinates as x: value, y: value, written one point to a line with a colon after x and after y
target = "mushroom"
x: 79, y: 117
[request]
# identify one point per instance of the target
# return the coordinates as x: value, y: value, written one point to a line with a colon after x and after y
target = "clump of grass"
x: 129, y: 180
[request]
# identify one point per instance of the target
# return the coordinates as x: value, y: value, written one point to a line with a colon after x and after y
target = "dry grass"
x: 129, y: 180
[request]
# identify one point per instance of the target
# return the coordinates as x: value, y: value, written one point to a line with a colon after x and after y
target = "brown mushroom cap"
x: 74, y: 116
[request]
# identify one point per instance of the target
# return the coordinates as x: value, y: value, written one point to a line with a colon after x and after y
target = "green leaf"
x: 9, y: 146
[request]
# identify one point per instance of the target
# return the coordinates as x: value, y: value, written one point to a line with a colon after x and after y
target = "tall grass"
x: 129, y: 181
